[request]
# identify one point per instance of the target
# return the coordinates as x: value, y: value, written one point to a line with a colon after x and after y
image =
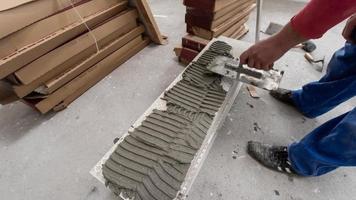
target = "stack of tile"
x: 207, y: 19
x: 50, y: 57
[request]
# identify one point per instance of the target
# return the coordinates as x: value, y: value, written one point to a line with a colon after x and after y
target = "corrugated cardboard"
x: 55, y: 83
x: 21, y: 12
x: 26, y: 55
x: 41, y: 29
x: 88, y: 58
x: 70, y: 50
x: 121, y: 57
x: 91, y: 76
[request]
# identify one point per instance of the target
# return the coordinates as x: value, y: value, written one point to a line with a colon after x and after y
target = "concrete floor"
x: 49, y: 157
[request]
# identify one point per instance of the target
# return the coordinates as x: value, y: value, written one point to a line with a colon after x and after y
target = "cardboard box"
x: 82, y: 44
x: 30, y: 53
x: 210, y: 34
x: 20, y: 12
x: 87, y: 59
x: 208, y: 5
x: 194, y: 42
x: 58, y: 81
x: 93, y: 75
x: 122, y: 58
x: 44, y: 28
x: 193, y: 19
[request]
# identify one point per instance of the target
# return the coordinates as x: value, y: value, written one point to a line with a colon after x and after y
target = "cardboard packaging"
x: 90, y: 77
x: 51, y: 57
x: 20, y: 12
x: 28, y: 54
x: 45, y: 27
x: 83, y: 48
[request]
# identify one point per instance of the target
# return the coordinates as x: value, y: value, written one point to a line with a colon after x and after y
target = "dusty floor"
x: 49, y: 157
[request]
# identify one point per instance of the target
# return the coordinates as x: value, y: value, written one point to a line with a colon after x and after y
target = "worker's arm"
x: 349, y: 32
x: 312, y: 22
x: 263, y: 54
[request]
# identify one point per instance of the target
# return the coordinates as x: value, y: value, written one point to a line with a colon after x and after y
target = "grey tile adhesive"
x: 151, y: 162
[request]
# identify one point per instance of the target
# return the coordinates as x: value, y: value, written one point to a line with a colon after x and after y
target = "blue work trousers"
x: 333, y: 144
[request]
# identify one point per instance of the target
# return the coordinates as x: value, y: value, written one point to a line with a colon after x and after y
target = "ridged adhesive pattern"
x: 152, y: 161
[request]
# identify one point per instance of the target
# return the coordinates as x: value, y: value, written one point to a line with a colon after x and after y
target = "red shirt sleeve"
x: 320, y: 15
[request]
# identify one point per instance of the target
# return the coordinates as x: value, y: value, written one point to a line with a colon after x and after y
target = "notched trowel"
x: 228, y: 67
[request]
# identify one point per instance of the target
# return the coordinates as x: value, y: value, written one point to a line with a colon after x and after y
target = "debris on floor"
x: 273, y: 28
x: 257, y: 128
x: 310, y: 58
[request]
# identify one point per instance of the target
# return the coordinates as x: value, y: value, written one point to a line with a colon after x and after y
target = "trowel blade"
x: 230, y: 68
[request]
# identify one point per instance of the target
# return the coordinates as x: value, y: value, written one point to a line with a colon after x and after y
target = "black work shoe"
x: 283, y: 95
x: 273, y: 157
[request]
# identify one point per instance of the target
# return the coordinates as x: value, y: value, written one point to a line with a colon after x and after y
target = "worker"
x: 333, y: 144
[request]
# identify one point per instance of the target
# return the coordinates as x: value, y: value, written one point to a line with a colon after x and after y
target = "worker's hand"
x: 263, y: 54
x: 349, y: 32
